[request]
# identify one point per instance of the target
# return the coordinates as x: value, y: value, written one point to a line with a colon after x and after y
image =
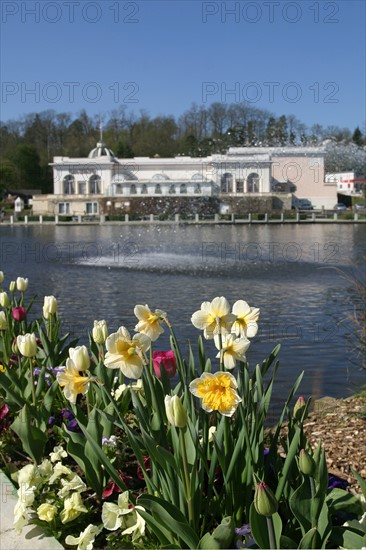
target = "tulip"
x: 80, y: 357
x: 4, y: 300
x: 299, y: 408
x: 19, y: 313
x: 168, y: 360
x: 100, y: 332
x: 3, y: 322
x: 49, y: 306
x: 22, y: 284
x: 306, y: 463
x: 265, y: 502
x: 12, y: 286
x: 1, y: 277
x: 175, y: 411
x: 27, y: 344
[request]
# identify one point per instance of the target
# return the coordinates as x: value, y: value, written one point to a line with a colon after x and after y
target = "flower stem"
x: 186, y: 477
x: 271, y: 535
x: 32, y: 381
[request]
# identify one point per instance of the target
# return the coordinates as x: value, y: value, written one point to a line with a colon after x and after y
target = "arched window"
x: 144, y: 189
x: 158, y: 189
x: 197, y: 177
x: 172, y: 190
x: 133, y: 189
x: 159, y: 177
x: 69, y: 185
x: 94, y: 185
x: 227, y: 183
x: 183, y: 189
x: 197, y: 189
x: 253, y: 183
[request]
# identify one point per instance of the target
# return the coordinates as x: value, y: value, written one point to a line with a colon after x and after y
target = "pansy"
x: 68, y: 486
x: 46, y: 511
x: 232, y: 349
x: 86, y: 538
x: 58, y: 454
x: 214, y: 317
x: 126, y: 353
x: 149, y: 322
x: 112, y: 514
x: 246, y: 319
x: 217, y: 391
x: 73, y: 507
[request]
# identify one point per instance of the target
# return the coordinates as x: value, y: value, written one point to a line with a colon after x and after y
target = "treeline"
x: 29, y: 143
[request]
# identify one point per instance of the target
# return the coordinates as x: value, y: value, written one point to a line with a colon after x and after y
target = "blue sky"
x: 305, y: 58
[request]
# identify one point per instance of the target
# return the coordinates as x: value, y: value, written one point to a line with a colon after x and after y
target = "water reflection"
x: 290, y: 272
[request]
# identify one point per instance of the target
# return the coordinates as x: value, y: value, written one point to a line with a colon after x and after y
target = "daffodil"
x: 232, y: 349
x: 126, y: 353
x: 246, y: 319
x: 217, y: 391
x: 72, y: 382
x: 214, y: 317
x: 149, y: 322
x: 73, y: 507
x: 86, y: 538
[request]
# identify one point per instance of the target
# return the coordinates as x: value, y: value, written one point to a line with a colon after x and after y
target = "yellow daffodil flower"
x: 214, y: 317
x: 217, y: 391
x: 126, y: 353
x: 72, y: 382
x: 246, y: 319
x: 233, y: 349
x: 149, y: 322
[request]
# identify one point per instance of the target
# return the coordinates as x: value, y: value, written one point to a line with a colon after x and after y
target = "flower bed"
x: 120, y: 445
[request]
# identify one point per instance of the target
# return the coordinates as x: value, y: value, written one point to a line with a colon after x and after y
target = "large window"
x: 95, y: 185
x: 226, y: 183
x: 172, y: 190
x: 91, y: 208
x: 144, y: 189
x: 197, y: 188
x: 133, y: 190
x: 183, y: 189
x: 240, y: 186
x: 69, y: 185
x: 82, y: 187
x: 158, y: 189
x: 64, y: 208
x: 253, y: 183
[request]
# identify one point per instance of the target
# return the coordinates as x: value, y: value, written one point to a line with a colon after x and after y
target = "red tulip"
x: 19, y: 313
x: 168, y: 360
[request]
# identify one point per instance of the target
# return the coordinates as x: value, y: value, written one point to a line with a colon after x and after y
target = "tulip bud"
x: 306, y: 463
x: 4, y: 300
x: 80, y: 357
x: 19, y: 313
x: 1, y: 277
x: 3, y: 322
x: 27, y: 344
x: 299, y: 408
x: 49, y: 306
x: 265, y: 502
x: 100, y: 332
x: 175, y: 411
x: 22, y: 284
x: 12, y: 286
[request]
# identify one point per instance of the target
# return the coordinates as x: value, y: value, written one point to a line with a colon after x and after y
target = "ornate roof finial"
x: 101, y: 130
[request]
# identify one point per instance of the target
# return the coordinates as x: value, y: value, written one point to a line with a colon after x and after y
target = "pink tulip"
x: 19, y: 313
x: 168, y: 360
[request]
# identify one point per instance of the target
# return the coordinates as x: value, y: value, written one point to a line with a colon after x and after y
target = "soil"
x: 341, y: 426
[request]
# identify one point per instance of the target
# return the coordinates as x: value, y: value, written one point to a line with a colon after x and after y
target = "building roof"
x: 101, y: 151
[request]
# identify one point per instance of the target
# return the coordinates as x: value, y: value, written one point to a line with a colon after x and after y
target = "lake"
x: 296, y: 275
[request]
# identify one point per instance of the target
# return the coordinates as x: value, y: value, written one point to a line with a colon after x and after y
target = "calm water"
x: 291, y: 272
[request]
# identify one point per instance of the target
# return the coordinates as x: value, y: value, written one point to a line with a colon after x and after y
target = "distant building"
x: 347, y: 182
x: 101, y: 182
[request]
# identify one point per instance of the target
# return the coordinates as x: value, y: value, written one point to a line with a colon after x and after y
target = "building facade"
x: 101, y: 183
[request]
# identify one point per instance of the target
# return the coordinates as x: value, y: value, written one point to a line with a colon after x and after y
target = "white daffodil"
x: 86, y: 538
x: 214, y: 317
x: 73, y: 507
x: 233, y: 349
x: 126, y: 353
x: 149, y: 322
x: 246, y: 319
x: 58, y: 454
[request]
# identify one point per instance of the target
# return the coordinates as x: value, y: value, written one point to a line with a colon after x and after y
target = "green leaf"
x: 259, y: 528
x: 169, y: 515
x: 300, y: 504
x: 311, y: 539
x: 361, y: 481
x: 347, y: 537
x: 292, y: 451
x: 340, y: 500
x: 32, y: 438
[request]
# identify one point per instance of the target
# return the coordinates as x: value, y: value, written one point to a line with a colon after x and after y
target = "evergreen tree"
x: 357, y: 137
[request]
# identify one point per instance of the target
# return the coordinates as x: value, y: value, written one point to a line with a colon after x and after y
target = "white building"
x: 347, y: 182
x: 87, y: 185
